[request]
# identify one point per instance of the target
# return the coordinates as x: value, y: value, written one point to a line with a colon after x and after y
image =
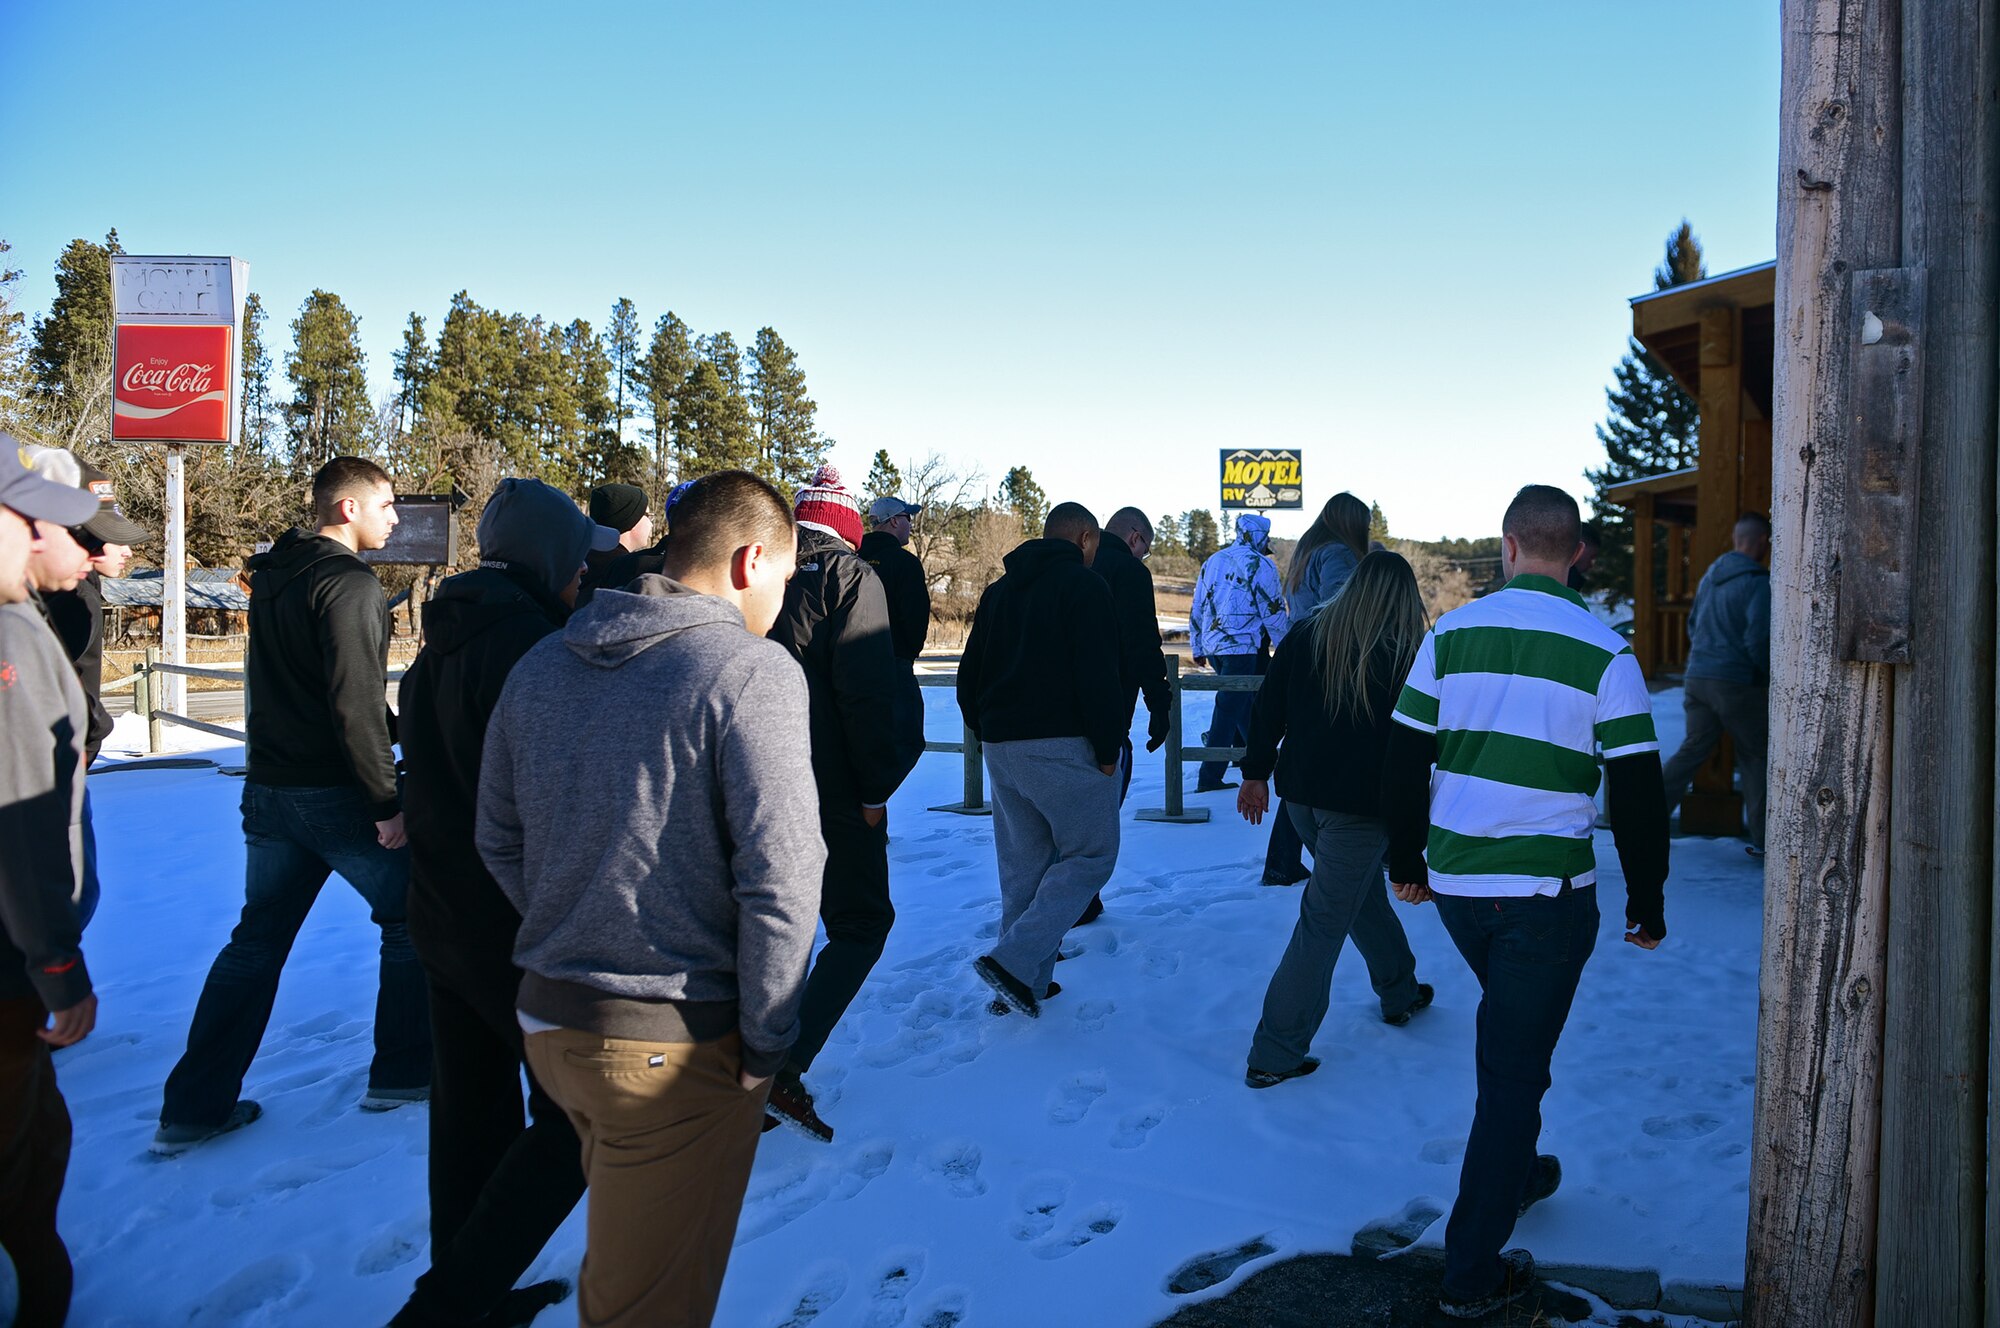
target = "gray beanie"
x: 538, y: 528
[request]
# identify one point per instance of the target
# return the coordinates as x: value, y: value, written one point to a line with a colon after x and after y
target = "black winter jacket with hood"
x: 476, y: 629
x: 903, y: 584
x: 1042, y: 660
x: 317, y: 672
x: 1142, y: 667
x: 835, y: 623
x: 78, y: 619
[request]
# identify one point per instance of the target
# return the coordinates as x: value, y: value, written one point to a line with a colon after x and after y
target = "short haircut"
x: 1591, y: 535
x: 721, y: 513
x: 1545, y: 521
x: 1067, y: 521
x: 1128, y: 519
x: 342, y: 478
x: 1753, y: 524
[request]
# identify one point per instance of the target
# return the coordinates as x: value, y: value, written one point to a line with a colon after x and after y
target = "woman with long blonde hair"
x: 1322, y: 723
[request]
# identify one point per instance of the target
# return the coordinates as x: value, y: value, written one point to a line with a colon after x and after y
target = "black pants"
x: 854, y: 905
x: 1528, y: 954
x: 500, y: 1183
x: 34, y: 1157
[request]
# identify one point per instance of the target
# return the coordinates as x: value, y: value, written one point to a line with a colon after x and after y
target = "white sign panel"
x: 177, y: 290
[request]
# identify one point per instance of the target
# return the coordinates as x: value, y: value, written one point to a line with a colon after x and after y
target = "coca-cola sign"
x: 171, y: 382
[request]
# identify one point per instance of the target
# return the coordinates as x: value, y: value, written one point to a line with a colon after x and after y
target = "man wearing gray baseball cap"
x: 41, y: 859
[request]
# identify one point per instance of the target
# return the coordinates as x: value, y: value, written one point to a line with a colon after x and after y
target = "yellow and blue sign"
x: 1262, y: 479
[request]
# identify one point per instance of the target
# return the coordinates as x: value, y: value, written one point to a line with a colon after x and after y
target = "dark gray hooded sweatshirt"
x: 646, y: 801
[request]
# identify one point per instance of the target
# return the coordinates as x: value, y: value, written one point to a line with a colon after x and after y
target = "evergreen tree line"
x: 493, y: 394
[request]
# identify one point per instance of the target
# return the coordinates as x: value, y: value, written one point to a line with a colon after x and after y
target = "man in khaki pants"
x: 646, y: 803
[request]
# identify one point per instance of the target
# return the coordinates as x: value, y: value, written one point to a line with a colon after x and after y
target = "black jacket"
x: 1332, y: 764
x: 616, y: 570
x: 1042, y: 660
x: 836, y: 624
x: 317, y: 672
x: 1142, y: 667
x: 906, y: 588
x: 475, y: 630
x: 78, y: 619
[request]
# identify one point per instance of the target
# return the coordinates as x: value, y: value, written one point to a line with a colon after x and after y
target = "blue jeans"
x: 1527, y: 954
x: 87, y: 905
x: 295, y: 838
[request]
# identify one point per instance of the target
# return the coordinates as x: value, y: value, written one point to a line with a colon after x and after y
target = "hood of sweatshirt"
x: 1032, y: 560
x: 1732, y: 565
x: 472, y: 603
x: 619, y: 624
x: 274, y: 572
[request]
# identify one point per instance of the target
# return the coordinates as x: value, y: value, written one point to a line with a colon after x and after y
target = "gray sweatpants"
x: 1346, y: 896
x: 1743, y: 711
x: 1055, y: 831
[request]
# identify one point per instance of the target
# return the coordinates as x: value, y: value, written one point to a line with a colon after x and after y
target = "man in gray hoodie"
x: 1728, y: 687
x: 646, y: 802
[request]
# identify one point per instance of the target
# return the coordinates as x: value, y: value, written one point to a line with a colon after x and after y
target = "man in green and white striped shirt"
x: 1491, y: 797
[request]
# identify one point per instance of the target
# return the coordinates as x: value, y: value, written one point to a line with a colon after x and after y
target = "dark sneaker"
x: 1272, y: 1078
x: 1753, y: 851
x: 1007, y: 987
x: 388, y: 1099
x: 1213, y: 788
x: 1514, y: 1284
x: 173, y: 1140
x: 1001, y: 1007
x: 1092, y: 911
x: 1424, y: 994
x: 1292, y: 877
x: 792, y: 1105
x: 517, y: 1309
x: 1544, y: 1179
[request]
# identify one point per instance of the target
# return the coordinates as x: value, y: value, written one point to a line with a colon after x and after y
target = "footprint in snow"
x: 948, y: 1310
x: 827, y: 1285
x: 1100, y: 1220
x: 795, y: 1193
x: 296, y: 1173
x: 1218, y: 1266
x: 392, y: 1247
x: 1090, y: 1016
x: 1442, y: 1152
x: 890, y: 1304
x: 1695, y: 1125
x: 1037, y: 1202
x: 1161, y: 964
x: 1134, y: 1126
x: 1072, y: 1101
x: 266, y: 1284
x: 1386, y: 1235
x: 921, y: 855
x: 956, y: 1163
x: 949, y: 868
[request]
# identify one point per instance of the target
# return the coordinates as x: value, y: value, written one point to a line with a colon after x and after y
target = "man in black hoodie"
x: 836, y: 624
x: 1038, y: 685
x: 321, y: 797
x: 499, y: 1185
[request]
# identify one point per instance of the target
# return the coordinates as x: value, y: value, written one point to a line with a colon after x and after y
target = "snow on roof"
x: 207, y: 588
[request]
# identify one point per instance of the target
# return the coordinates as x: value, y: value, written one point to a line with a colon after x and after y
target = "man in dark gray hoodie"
x: 647, y: 804
x: 1728, y: 678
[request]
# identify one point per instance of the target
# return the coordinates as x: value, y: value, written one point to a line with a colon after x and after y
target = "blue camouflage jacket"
x: 1239, y: 602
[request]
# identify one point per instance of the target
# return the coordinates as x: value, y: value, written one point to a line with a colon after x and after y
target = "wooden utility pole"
x: 1813, y: 1179
x: 1869, y: 1191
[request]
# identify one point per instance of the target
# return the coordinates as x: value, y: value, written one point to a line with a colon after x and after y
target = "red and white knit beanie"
x: 825, y: 504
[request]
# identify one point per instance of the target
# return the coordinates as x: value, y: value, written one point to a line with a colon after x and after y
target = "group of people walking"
x: 624, y: 913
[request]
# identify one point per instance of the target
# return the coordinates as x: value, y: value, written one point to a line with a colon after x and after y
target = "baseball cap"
x: 35, y: 496
x: 110, y: 525
x: 888, y: 509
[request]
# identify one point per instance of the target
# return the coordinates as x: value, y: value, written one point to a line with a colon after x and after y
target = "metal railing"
x: 968, y: 748
x: 1176, y: 812
x: 145, y: 697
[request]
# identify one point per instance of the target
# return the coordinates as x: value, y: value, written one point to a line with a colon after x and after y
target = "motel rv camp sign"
x: 1262, y: 479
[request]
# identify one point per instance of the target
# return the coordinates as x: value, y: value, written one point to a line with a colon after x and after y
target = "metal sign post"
x: 176, y: 379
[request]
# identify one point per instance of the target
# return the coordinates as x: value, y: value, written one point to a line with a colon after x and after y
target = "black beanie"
x: 618, y: 506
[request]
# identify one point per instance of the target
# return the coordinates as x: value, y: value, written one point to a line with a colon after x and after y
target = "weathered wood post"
x: 1815, y: 1139
x: 1869, y: 1186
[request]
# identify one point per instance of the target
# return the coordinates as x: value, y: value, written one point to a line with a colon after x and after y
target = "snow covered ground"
x: 990, y: 1171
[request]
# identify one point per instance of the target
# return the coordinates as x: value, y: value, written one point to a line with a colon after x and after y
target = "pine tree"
x: 1168, y: 536
x: 254, y: 427
x: 1378, y: 525
x: 75, y: 335
x: 413, y: 369
x: 1201, y: 535
x: 884, y: 480
x: 1651, y: 429
x: 621, y: 345
x: 711, y: 425
x: 789, y: 447
x: 329, y: 413
x: 1023, y: 497
x: 668, y: 361
x: 14, y: 379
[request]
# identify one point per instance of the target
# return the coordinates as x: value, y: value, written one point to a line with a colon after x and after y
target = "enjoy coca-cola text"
x: 157, y: 377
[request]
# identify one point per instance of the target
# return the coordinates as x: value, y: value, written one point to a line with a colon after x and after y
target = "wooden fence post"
x: 1175, y: 811
x: 155, y: 702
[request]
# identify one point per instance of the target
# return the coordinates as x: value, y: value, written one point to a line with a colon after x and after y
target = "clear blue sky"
x: 1104, y: 241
